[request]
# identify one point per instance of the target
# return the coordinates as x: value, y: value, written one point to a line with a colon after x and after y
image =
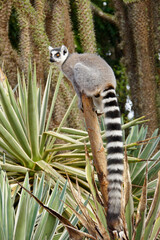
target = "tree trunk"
x: 8, y: 56
x: 155, y: 14
x: 137, y: 41
x: 86, y: 27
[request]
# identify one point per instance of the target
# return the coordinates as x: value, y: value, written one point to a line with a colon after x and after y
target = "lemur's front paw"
x: 98, y: 112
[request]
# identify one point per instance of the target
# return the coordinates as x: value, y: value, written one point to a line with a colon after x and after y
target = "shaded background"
x: 126, y: 33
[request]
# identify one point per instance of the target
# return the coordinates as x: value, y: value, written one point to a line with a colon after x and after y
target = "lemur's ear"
x: 50, y: 48
x: 64, y: 49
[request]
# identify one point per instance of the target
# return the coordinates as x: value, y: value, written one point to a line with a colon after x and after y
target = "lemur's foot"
x: 99, y: 113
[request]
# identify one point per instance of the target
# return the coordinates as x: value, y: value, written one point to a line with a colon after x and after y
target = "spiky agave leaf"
x: 144, y: 151
x: 74, y: 233
x: 156, y: 228
x: 152, y: 215
x: 141, y: 211
x: 127, y: 200
x: 26, y: 222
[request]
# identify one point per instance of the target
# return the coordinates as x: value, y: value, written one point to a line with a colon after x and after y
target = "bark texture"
x: 86, y: 27
x: 137, y: 33
x: 99, y: 156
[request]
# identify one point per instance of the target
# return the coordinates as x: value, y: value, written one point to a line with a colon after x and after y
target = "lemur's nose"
x: 51, y: 60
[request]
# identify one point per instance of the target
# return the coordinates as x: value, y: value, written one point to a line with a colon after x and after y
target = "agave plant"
x: 23, y: 123
x: 142, y: 221
x: 139, y: 223
x: 27, y: 220
x: 145, y: 152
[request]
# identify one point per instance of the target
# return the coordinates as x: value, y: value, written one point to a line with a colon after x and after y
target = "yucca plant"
x: 145, y: 151
x: 35, y: 220
x: 23, y: 124
x: 139, y: 223
x: 142, y: 221
x: 27, y: 220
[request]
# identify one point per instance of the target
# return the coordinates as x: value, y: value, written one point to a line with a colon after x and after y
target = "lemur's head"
x: 58, y: 55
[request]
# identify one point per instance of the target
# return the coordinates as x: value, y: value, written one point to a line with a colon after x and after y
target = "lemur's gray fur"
x: 90, y: 74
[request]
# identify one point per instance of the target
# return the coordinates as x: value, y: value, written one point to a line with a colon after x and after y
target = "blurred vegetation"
x: 14, y: 29
x: 107, y: 45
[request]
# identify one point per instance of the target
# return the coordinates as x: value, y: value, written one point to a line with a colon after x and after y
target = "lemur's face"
x: 58, y: 55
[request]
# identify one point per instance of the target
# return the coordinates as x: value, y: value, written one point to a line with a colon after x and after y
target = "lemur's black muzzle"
x: 51, y: 60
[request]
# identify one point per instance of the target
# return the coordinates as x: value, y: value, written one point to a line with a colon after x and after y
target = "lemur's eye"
x: 57, y: 54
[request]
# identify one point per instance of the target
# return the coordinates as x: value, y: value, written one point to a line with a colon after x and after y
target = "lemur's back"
x: 92, y: 61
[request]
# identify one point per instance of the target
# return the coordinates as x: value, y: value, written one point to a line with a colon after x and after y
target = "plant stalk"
x: 99, y: 156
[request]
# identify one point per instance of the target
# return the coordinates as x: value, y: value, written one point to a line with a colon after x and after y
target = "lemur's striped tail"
x: 115, y: 164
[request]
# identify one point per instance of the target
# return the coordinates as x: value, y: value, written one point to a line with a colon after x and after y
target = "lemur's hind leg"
x: 98, y: 106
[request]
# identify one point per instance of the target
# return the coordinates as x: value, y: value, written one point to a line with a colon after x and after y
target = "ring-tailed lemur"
x: 90, y: 74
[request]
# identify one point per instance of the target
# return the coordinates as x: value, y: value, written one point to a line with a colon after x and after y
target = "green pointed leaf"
x: 72, y: 155
x: 14, y: 121
x: 74, y: 131
x: 34, y: 206
x: 6, y: 208
x: 64, y: 119
x: 51, y: 112
x: 156, y: 229
x: 62, y: 137
x: 153, y: 210
x: 69, y: 147
x: 45, y: 103
x: 153, y: 170
x: 6, y: 124
x: 5, y: 148
x: 15, y: 107
x: 14, y: 168
x: 41, y: 229
x: 69, y: 169
x: 22, y: 97
x: 128, y: 199
x: 15, y: 147
x: 20, y: 230
x: 131, y: 123
x: 67, y: 113
x: 54, y: 100
x: 141, y: 211
x: 51, y: 171
x: 33, y: 116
